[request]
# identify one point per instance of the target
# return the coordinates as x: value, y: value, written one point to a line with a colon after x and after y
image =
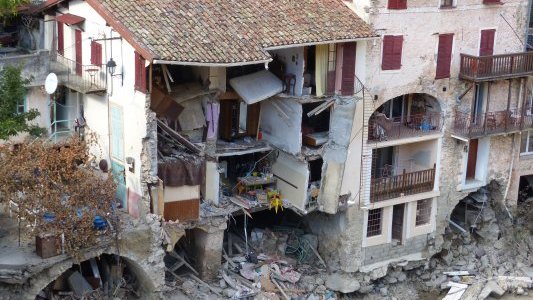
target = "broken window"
x: 423, y: 212
x: 319, y: 69
x: 374, y: 224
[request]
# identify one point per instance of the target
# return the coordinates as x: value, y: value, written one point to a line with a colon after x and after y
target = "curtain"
x: 321, y: 69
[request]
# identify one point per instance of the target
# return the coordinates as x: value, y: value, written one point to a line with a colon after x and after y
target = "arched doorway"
x: 107, y: 276
x: 405, y: 116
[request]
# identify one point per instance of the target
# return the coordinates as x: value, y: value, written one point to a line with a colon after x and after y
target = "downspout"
x: 527, y: 24
x: 509, y: 178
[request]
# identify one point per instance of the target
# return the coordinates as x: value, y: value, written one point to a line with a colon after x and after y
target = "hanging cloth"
x: 321, y: 69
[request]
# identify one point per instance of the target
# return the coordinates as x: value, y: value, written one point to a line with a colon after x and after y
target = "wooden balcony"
x: 491, y: 123
x: 85, y: 79
x: 382, y: 128
x: 496, y: 67
x: 389, y: 187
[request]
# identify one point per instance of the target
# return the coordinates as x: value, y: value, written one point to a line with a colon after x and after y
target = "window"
x: 447, y: 4
x: 96, y: 53
x: 491, y: 1
x: 397, y: 4
x: 526, y: 146
x: 60, y: 39
x: 22, y: 106
x: 373, y: 227
x: 423, y: 212
x: 140, y: 73
x: 392, y: 52
x: 444, y: 56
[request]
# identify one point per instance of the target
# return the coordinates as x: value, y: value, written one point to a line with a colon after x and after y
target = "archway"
x: 405, y: 116
x: 106, y: 276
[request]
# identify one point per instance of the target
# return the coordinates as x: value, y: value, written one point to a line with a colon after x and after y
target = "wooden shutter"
x: 348, y: 69
x: 79, y: 56
x: 60, y: 39
x: 140, y: 73
x: 444, y: 56
x: 397, y: 4
x: 486, y: 45
x: 392, y: 52
x: 96, y: 53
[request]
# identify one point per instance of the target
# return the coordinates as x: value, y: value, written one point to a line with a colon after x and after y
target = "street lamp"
x: 111, y: 68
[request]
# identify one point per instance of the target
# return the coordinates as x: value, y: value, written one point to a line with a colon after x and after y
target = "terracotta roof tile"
x: 231, y: 31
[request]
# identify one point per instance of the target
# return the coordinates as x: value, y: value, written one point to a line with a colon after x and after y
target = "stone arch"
x: 41, y: 280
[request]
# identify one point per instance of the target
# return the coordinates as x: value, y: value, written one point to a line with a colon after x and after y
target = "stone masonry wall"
x: 384, y: 252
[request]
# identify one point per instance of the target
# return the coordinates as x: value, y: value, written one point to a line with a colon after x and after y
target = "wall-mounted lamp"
x: 131, y: 163
x: 111, y: 68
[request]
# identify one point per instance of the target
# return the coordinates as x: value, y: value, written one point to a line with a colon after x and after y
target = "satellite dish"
x: 50, y: 84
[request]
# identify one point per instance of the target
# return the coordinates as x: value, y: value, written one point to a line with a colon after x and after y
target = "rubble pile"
x: 484, y: 254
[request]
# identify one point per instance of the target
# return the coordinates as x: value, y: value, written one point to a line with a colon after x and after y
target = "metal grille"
x: 373, y: 227
x: 423, y: 211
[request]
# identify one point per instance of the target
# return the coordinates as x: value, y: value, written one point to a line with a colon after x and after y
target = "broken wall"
x: 280, y: 130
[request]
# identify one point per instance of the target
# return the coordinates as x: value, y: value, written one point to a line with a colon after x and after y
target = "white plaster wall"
x: 294, y: 63
x: 386, y: 226
x: 283, y: 133
x: 416, y: 156
x: 132, y: 102
x: 185, y: 192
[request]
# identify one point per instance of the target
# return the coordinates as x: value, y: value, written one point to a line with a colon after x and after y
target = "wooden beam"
x: 179, y: 138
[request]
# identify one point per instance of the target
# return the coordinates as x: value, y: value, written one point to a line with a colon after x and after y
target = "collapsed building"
x: 214, y: 116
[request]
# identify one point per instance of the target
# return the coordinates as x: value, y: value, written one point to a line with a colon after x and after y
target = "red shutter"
x: 79, y: 61
x: 486, y: 45
x: 444, y: 56
x: 96, y: 53
x: 392, y: 52
x: 140, y: 73
x: 397, y: 4
x: 348, y: 69
x: 60, y: 39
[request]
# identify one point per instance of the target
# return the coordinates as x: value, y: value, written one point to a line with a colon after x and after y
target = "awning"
x: 70, y: 19
x: 257, y: 86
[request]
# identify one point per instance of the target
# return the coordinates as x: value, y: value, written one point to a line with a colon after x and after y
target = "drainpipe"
x: 527, y: 24
x: 510, y: 174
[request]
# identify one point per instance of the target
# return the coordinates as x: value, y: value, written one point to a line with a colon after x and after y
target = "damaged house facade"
x: 368, y: 121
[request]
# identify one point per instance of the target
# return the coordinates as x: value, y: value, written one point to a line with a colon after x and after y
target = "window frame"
x: 374, y: 233
x: 453, y: 4
x: 24, y: 104
x: 428, y: 210
x: 528, y: 141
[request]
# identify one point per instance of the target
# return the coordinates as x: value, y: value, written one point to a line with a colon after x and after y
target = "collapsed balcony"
x: 404, y: 117
x: 86, y: 79
x: 496, y: 67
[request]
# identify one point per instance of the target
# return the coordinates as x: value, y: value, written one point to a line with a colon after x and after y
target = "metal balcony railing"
x: 491, y: 123
x: 495, y: 67
x: 85, y: 79
x: 389, y: 187
x: 382, y: 128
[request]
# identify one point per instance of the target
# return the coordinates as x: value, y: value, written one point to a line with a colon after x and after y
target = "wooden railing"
x: 480, y: 68
x: 389, y: 187
x: 495, y: 122
x: 382, y: 128
x: 81, y: 78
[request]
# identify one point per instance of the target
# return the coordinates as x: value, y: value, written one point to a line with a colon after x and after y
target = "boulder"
x: 342, y: 283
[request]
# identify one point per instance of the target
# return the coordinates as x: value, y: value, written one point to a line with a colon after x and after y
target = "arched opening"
x: 107, y: 276
x: 406, y: 116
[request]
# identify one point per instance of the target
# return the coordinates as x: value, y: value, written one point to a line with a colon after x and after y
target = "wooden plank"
x: 182, y: 140
x: 183, y: 210
x: 160, y: 197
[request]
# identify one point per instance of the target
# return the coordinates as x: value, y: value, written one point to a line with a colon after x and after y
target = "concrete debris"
x: 342, y: 283
x: 491, y: 288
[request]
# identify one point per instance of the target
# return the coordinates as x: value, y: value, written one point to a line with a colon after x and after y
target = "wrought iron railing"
x: 82, y: 78
x: 495, y: 122
x: 382, y: 128
x: 479, y: 68
x: 389, y: 187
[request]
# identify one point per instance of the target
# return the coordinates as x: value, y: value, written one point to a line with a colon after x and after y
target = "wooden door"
x: 78, y: 52
x: 252, y: 119
x: 486, y: 43
x: 472, y: 159
x: 226, y: 124
x: 348, y: 69
x: 397, y: 222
